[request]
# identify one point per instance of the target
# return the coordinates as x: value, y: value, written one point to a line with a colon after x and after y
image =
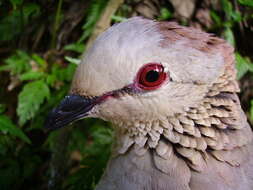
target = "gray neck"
x: 216, y: 124
x: 135, y: 171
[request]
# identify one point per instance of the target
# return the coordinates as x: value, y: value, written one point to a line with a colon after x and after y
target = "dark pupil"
x: 152, y: 76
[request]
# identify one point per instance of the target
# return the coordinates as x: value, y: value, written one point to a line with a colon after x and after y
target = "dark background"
x: 41, y: 42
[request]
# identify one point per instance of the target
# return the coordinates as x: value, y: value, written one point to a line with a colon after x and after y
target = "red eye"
x: 151, y: 76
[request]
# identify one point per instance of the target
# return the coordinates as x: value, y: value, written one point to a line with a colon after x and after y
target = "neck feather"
x: 216, y: 124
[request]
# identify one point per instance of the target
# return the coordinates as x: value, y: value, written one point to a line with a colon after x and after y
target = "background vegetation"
x: 41, y: 42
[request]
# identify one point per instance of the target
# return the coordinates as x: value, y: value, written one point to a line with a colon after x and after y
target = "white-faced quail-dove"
x: 170, y: 91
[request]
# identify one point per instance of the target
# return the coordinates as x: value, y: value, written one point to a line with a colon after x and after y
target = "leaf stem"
x: 56, y: 24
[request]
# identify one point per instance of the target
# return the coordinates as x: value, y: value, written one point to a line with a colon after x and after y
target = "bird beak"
x: 71, y: 108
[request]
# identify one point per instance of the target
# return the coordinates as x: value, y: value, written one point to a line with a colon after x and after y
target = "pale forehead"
x: 118, y: 53
x: 124, y: 42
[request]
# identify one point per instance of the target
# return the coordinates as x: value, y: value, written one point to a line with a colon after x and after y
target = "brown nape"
x: 194, y: 38
x: 218, y: 124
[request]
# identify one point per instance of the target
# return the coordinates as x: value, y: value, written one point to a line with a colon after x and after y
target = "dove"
x: 171, y: 94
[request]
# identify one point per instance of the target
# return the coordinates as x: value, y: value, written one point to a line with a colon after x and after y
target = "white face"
x: 118, y: 55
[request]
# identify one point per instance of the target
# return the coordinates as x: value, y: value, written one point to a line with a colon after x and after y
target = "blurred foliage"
x: 93, y: 15
x: 41, y: 43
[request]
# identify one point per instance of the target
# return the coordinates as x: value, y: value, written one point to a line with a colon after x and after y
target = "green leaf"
x: 251, y: 111
x: 12, y: 25
x: 98, y: 139
x: 76, y: 47
x: 16, y: 3
x: 3, y: 149
x: 17, y: 63
x: 229, y: 36
x: 243, y: 65
x: 69, y: 71
x: 30, y: 99
x: 95, y: 11
x: 62, y: 74
x: 10, y: 173
x: 31, y: 165
x: 246, y: 2
x: 57, y: 72
x: 237, y: 17
x: 4, y: 68
x: 227, y: 7
x: 30, y: 10
x: 55, y: 97
x: 116, y: 18
x: 73, y: 60
x: 250, y: 65
x: 2, y: 108
x: 51, y: 79
x: 40, y: 61
x: 102, y: 135
x: 7, y: 127
x: 32, y: 75
x: 215, y: 17
x: 165, y: 14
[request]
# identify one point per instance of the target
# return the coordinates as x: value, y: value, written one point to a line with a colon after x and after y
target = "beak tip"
x: 72, y: 108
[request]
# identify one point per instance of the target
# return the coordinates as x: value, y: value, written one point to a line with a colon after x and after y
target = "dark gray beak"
x: 71, y: 108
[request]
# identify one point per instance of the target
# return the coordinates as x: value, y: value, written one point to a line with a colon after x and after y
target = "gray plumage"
x: 189, y: 133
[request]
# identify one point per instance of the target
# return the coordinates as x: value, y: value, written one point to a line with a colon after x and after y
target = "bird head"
x: 149, y: 78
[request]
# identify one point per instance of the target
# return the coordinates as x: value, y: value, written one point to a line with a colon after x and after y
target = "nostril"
x: 73, y: 102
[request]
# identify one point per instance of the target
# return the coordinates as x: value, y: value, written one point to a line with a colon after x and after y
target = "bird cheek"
x: 117, y: 109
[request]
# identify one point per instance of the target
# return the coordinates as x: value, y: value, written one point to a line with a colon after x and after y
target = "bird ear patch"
x: 213, y: 124
x: 218, y: 55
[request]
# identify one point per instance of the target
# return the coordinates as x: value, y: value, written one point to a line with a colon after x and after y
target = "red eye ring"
x: 151, y: 76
